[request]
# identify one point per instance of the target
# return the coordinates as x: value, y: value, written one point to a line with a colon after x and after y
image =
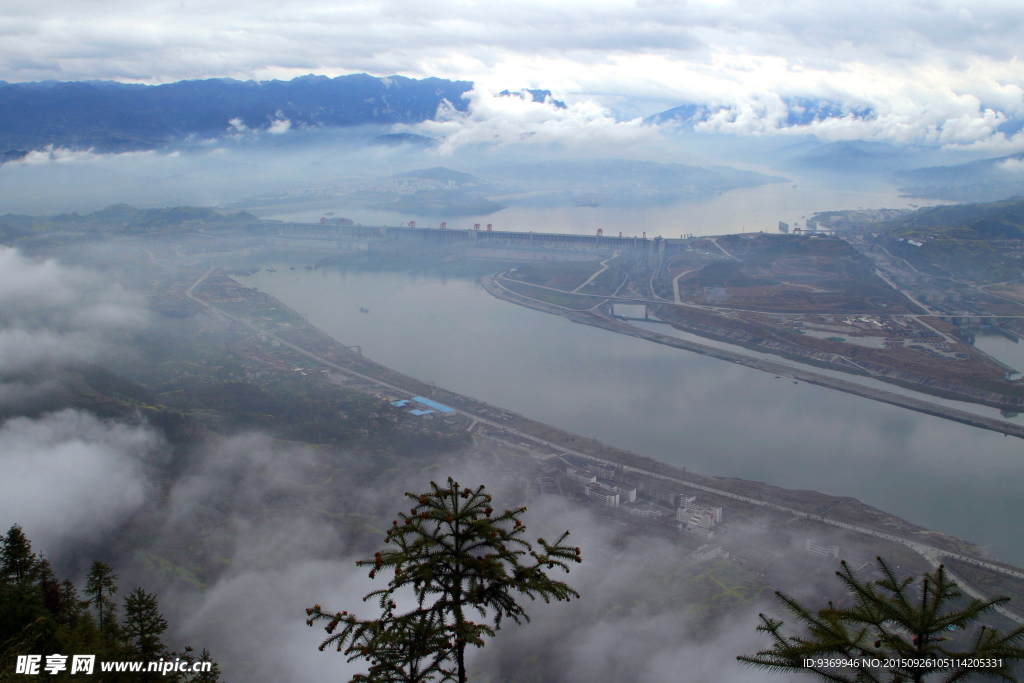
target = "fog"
x: 280, y: 525
x: 518, y: 147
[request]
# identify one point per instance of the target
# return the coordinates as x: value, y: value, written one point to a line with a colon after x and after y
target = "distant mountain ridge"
x: 108, y: 116
x: 985, y: 180
x: 800, y: 111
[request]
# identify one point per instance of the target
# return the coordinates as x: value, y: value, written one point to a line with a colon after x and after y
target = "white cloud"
x: 279, y: 126
x: 492, y: 120
x: 1012, y: 166
x: 70, y: 476
x: 54, y: 316
x: 930, y: 71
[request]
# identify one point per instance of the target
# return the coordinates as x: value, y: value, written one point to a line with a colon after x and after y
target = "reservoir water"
x: 710, y: 416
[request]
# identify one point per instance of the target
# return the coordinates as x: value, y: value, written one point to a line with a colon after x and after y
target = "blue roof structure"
x: 420, y: 413
x: 433, y: 404
x: 400, y: 404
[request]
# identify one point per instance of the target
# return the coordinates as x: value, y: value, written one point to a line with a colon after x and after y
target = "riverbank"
x: 545, y: 440
x: 605, y: 322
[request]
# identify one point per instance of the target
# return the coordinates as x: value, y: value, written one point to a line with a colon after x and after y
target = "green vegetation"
x: 564, y: 275
x: 41, y: 614
x: 897, y: 629
x: 457, y: 557
x: 577, y: 302
x: 962, y: 239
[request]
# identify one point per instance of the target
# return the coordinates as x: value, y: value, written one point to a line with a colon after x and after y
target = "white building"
x: 689, y: 507
x: 603, y: 495
x: 627, y: 492
x: 580, y: 476
x: 706, y: 534
x: 701, y: 519
x: 826, y: 551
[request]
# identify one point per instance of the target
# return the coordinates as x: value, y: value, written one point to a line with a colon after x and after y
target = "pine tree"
x: 49, y: 586
x: 898, y: 629
x: 18, y: 564
x: 100, y: 587
x: 457, y: 558
x: 71, y: 606
x: 211, y: 676
x: 143, y: 624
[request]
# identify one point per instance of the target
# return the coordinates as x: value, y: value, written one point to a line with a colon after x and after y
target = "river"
x: 710, y: 416
x: 747, y: 209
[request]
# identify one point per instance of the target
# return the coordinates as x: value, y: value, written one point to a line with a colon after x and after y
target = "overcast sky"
x: 933, y: 71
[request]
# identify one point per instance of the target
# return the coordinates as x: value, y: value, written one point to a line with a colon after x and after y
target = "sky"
x: 932, y: 72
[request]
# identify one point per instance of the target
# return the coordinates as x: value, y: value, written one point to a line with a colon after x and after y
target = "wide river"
x: 710, y: 416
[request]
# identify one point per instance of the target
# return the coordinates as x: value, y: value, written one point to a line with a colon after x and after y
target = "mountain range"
x: 108, y: 116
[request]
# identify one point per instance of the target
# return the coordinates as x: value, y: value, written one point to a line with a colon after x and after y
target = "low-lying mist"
x: 281, y: 174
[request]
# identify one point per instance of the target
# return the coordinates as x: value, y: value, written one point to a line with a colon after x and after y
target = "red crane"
x: 412, y: 224
x: 476, y: 226
x: 600, y: 232
x: 444, y: 225
x: 488, y: 227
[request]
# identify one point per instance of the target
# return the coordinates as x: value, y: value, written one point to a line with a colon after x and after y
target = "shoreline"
x: 838, y: 512
x: 612, y: 325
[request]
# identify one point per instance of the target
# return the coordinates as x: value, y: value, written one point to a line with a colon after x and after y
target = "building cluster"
x: 697, y: 519
x: 607, y: 486
x: 604, y: 489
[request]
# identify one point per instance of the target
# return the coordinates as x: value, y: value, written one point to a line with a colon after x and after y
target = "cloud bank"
x: 70, y: 477
x: 52, y: 316
x: 931, y: 71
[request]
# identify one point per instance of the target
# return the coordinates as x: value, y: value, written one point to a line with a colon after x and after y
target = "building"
x: 641, y: 509
x: 627, y: 492
x: 826, y: 551
x: 706, y: 552
x: 784, y: 227
x: 439, y: 407
x: 580, y: 476
x: 701, y: 519
x: 603, y: 495
x: 691, y: 507
x: 660, y: 495
x: 706, y: 534
x: 1012, y: 375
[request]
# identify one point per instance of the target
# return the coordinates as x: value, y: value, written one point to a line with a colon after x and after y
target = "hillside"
x: 980, y: 241
x: 109, y: 116
x: 977, y: 181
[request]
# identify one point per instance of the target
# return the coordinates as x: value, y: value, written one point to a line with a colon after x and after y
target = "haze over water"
x: 710, y: 416
x: 748, y: 209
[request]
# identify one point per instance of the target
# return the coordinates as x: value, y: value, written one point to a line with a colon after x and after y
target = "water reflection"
x: 751, y: 210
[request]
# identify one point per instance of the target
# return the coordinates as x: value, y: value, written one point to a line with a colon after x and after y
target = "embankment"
x: 605, y: 322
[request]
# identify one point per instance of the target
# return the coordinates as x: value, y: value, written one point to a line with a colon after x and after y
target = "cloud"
x: 285, y: 537
x: 69, y: 477
x: 495, y: 121
x: 279, y: 126
x: 1011, y: 165
x: 934, y: 72
x: 53, y: 316
x: 60, y: 155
